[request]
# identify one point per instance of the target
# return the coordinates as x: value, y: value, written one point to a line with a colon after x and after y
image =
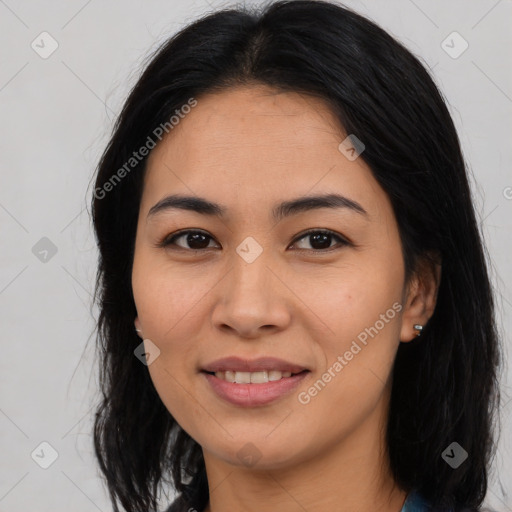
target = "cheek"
x: 363, y: 315
x: 350, y: 297
x: 360, y: 305
x: 168, y: 306
x: 167, y: 299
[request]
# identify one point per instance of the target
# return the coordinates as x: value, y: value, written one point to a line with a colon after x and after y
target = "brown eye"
x: 320, y: 240
x: 193, y: 240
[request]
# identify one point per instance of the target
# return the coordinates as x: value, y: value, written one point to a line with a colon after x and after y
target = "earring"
x: 418, y: 328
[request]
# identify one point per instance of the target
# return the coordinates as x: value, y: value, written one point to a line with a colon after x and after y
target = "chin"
x: 257, y: 453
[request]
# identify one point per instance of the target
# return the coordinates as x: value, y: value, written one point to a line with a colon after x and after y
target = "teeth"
x: 229, y: 376
x: 276, y: 375
x: 252, y: 377
x: 258, y: 377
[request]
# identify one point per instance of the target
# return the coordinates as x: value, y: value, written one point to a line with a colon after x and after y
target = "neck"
x: 353, y: 475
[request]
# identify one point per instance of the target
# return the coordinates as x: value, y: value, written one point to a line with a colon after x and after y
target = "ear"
x: 421, y: 296
x: 138, y: 328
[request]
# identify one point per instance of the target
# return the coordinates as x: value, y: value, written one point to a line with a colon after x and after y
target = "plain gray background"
x: 56, y: 116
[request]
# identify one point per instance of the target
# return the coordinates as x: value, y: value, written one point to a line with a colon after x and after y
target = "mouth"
x: 253, y: 389
x: 268, y: 364
x: 259, y: 377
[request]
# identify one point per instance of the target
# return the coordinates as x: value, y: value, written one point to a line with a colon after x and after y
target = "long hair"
x: 445, y: 384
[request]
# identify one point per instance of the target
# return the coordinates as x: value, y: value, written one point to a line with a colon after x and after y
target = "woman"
x: 246, y: 361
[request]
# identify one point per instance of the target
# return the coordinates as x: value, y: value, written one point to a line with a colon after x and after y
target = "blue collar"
x: 415, y: 503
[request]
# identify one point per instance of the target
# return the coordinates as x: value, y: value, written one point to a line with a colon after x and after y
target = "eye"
x: 197, y: 240
x: 320, y: 240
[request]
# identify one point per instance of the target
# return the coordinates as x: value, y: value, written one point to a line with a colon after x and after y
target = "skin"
x: 249, y: 148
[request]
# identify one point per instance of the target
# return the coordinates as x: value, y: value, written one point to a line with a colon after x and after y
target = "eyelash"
x: 169, y: 240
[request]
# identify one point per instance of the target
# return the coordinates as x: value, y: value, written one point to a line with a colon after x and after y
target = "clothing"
x: 415, y: 503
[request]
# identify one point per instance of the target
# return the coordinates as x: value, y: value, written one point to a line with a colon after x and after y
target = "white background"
x: 56, y: 116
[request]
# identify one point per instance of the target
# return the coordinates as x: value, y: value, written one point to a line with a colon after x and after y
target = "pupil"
x: 318, y: 238
x: 196, y: 237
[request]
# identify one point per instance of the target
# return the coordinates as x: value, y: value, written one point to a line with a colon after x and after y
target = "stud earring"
x: 418, y: 328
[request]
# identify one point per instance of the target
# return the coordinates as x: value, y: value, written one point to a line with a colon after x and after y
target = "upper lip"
x: 237, y: 364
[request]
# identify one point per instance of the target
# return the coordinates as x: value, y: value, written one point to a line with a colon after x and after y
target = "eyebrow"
x: 279, y: 212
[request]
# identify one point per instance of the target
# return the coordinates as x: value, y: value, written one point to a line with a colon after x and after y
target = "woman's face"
x: 253, y: 285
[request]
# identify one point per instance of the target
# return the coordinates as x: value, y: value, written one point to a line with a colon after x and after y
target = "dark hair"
x: 445, y: 383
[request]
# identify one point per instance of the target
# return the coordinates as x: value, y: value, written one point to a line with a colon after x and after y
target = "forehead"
x: 235, y: 124
x: 255, y: 144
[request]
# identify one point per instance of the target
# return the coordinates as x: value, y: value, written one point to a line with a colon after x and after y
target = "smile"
x: 250, y: 389
x: 252, y: 377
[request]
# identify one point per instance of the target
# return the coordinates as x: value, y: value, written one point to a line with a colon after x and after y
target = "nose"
x: 253, y: 300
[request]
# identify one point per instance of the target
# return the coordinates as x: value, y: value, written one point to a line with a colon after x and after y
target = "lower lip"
x: 250, y: 395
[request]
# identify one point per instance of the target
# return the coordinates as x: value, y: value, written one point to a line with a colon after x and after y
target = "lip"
x: 251, y: 395
x: 238, y: 364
